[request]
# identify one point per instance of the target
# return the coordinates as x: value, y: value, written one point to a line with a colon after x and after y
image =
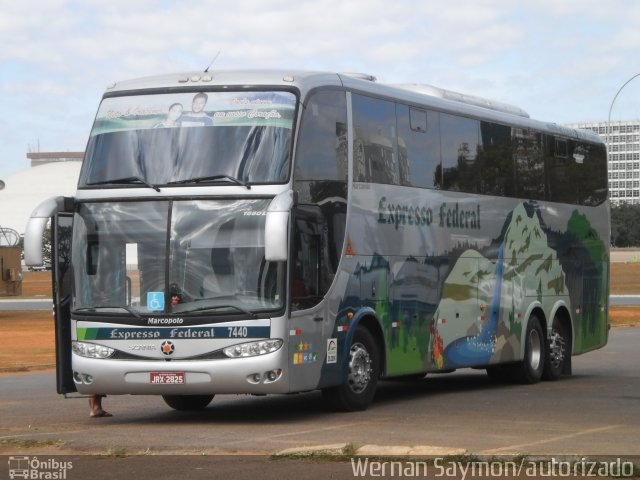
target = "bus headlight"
x: 91, y: 350
x: 253, y: 349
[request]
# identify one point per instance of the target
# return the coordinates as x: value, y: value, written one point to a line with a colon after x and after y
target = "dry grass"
x: 32, y: 344
x: 625, y: 278
x: 36, y: 285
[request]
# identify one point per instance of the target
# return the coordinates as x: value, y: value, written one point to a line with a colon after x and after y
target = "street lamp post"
x: 608, y: 142
x: 616, y: 96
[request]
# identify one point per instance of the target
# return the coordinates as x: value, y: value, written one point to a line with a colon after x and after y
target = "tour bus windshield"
x: 200, y: 137
x: 182, y: 256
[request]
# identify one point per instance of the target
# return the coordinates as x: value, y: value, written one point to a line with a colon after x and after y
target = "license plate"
x: 166, y: 378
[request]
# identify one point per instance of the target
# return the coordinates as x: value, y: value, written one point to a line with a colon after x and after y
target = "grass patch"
x: 29, y: 443
x: 117, y: 452
x: 347, y: 452
x: 625, y: 278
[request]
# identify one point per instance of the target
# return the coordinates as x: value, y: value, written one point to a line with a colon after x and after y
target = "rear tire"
x: 359, y: 386
x: 188, y: 402
x: 558, y: 351
x: 530, y: 369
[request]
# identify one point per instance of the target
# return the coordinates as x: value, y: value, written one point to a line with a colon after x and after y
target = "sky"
x: 562, y: 61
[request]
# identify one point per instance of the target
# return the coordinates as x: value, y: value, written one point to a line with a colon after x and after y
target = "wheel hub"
x: 535, y: 349
x: 359, y: 368
x: 556, y: 349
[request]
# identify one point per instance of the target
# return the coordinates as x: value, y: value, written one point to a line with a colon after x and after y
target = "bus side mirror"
x: 276, y: 228
x: 37, y: 224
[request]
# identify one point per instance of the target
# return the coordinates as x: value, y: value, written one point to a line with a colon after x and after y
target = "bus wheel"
x: 359, y: 388
x: 531, y: 368
x: 558, y: 351
x: 187, y: 402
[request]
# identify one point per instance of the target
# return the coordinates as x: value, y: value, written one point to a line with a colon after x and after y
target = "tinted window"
x: 418, y: 146
x: 578, y: 172
x: 460, y: 144
x: 562, y: 183
x: 374, y: 145
x: 495, y: 160
x: 322, y: 142
x: 529, y: 163
x: 595, y: 173
x: 403, y: 145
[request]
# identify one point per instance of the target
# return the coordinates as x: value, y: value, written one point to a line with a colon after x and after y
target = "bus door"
x: 61, y: 230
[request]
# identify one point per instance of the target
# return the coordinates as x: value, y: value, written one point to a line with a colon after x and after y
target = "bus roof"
x: 423, y: 95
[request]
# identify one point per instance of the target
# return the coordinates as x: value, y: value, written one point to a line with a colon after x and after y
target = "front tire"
x: 359, y: 387
x: 188, y: 402
x: 530, y: 369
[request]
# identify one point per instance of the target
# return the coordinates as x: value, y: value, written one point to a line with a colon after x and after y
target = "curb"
x: 341, y: 449
x: 415, y: 450
x: 336, y: 449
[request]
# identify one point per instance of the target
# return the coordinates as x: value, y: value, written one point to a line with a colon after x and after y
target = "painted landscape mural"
x: 469, y: 306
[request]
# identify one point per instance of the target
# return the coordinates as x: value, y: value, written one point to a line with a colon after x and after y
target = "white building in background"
x: 55, y: 174
x: 42, y: 158
x: 623, y: 145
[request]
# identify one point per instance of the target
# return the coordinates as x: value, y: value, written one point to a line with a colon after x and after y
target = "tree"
x: 46, y: 246
x: 625, y: 225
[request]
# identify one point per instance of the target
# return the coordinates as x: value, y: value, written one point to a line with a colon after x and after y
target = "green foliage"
x: 625, y: 225
x: 46, y: 246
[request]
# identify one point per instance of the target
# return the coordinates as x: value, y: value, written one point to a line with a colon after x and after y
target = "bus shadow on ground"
x: 310, y: 406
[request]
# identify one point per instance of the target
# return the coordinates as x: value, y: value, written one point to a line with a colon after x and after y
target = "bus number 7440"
x: 238, y: 332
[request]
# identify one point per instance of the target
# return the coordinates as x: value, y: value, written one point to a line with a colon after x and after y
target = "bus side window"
x: 460, y: 137
x: 562, y: 175
x: 418, y: 146
x: 375, y: 139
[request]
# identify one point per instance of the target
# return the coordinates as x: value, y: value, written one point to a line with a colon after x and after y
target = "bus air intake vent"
x: 360, y: 76
x: 463, y: 98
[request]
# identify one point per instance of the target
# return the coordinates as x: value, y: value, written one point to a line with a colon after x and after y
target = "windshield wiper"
x: 216, y: 307
x: 126, y: 181
x: 210, y: 179
x: 100, y: 307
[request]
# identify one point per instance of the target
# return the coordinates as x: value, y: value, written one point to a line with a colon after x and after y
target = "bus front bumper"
x: 262, y: 374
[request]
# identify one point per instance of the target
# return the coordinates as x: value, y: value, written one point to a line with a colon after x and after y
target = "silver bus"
x: 270, y: 232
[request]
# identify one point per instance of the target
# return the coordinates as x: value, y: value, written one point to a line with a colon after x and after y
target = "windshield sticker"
x: 332, y: 350
x: 181, y: 110
x: 155, y: 301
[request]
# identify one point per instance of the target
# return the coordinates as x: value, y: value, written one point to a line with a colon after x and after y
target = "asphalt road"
x: 624, y: 300
x: 26, y: 304
x: 594, y: 412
